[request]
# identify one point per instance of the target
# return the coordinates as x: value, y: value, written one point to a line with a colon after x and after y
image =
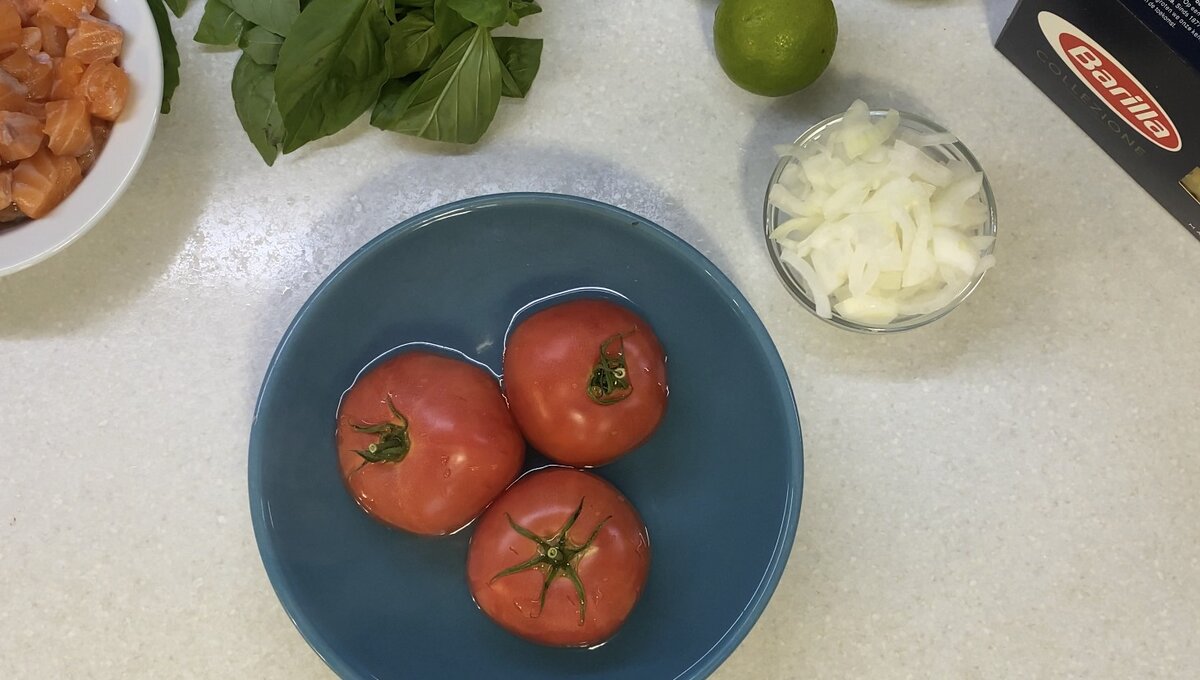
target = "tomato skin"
x: 465, y: 448
x: 612, y: 569
x: 548, y: 360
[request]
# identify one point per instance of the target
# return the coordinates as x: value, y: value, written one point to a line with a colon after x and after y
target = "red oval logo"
x: 1110, y: 81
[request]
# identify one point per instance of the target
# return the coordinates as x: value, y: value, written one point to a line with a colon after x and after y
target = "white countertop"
x: 1013, y: 491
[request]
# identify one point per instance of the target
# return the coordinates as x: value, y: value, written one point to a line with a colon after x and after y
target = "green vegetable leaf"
x: 254, y: 101
x: 170, y: 52
x: 488, y: 13
x: 331, y: 68
x: 519, y: 9
x: 277, y: 16
x: 456, y: 99
x: 262, y: 45
x: 450, y: 24
x: 415, y: 3
x: 521, y: 58
x: 177, y: 6
x: 392, y: 102
x: 413, y: 44
x: 253, y: 98
x: 220, y: 25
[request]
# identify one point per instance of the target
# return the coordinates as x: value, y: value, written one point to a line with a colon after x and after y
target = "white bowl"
x: 35, y: 240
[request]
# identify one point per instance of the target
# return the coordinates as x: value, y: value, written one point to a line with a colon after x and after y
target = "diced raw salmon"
x: 20, y: 135
x: 41, y: 79
x: 19, y: 63
x: 100, y: 130
x: 35, y: 109
x: 105, y: 87
x: 67, y: 72
x: 54, y: 37
x: 5, y: 187
x: 69, y: 127
x: 35, y: 71
x: 31, y: 39
x: 42, y: 181
x: 10, y: 27
x: 29, y: 8
x: 12, y: 92
x: 66, y: 13
x: 95, y: 40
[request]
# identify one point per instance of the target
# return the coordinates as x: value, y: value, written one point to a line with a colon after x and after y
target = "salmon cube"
x: 67, y: 72
x: 20, y: 135
x: 42, y: 181
x: 28, y: 8
x: 19, y: 64
x: 10, y: 27
x: 65, y: 13
x: 12, y: 92
x: 31, y: 39
x: 95, y: 40
x: 6, y: 188
x: 105, y: 87
x: 100, y: 130
x: 35, y: 109
x: 54, y: 37
x: 68, y: 127
x: 35, y: 71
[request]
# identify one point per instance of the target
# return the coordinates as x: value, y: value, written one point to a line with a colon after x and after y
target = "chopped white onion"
x: 879, y: 228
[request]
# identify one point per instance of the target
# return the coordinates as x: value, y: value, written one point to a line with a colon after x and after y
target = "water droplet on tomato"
x: 446, y: 473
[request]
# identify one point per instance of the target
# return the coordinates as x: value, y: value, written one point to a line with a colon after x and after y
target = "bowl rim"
x: 796, y: 288
x: 148, y: 92
x: 785, y: 539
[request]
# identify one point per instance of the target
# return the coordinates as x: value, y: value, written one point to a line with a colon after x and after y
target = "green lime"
x: 774, y: 47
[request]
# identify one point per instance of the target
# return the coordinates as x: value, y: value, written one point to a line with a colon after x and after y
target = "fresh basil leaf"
x: 262, y: 45
x: 450, y: 24
x: 413, y: 44
x: 415, y: 3
x: 521, y: 58
x: 330, y: 68
x: 277, y: 16
x: 519, y: 9
x: 392, y: 102
x: 220, y: 25
x: 488, y: 13
x: 170, y: 52
x: 254, y: 100
x: 177, y: 6
x: 456, y: 99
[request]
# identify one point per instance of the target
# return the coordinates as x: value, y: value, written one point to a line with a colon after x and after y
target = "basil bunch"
x: 429, y: 68
x: 170, y: 51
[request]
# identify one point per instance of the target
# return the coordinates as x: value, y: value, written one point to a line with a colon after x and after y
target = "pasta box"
x: 1128, y: 73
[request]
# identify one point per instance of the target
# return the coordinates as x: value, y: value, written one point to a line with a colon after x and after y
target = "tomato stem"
x: 557, y: 556
x: 609, y: 380
x: 393, y: 442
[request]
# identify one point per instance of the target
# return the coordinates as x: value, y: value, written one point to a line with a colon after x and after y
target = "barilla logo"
x: 1111, y: 81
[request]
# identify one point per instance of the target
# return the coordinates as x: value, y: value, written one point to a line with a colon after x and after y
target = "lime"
x: 774, y: 47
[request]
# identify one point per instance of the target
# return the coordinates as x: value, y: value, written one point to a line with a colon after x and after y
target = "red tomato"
x: 425, y: 442
x: 560, y: 559
x: 586, y: 381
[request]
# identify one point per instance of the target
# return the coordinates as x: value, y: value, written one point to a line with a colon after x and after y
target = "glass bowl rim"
x: 795, y: 287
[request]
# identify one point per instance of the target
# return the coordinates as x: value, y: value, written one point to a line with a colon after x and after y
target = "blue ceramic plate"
x: 718, y: 484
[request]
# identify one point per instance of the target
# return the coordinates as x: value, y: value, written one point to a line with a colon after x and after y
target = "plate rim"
x: 711, y: 659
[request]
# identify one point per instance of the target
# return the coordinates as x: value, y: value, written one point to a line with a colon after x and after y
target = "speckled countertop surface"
x: 1011, y: 492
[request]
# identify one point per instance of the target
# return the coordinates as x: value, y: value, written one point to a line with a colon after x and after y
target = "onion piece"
x: 879, y: 228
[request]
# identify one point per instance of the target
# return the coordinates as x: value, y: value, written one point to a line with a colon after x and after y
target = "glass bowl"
x: 772, y: 217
